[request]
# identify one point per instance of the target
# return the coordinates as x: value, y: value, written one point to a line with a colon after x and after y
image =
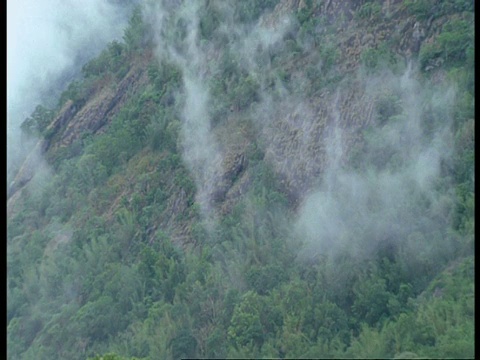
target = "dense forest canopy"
x: 253, y: 179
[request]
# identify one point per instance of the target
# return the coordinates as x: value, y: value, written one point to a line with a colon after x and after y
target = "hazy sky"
x: 47, y: 43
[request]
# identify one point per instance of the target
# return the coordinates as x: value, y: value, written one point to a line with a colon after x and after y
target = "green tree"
x: 38, y: 122
x: 371, y: 299
x: 246, y: 327
x: 136, y: 35
x: 183, y: 344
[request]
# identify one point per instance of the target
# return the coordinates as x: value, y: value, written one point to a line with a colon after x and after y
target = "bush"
x: 248, y: 11
x: 453, y: 46
x: 209, y: 21
x: 456, y: 38
x: 136, y: 35
x: 376, y: 58
x: 111, y: 60
x: 421, y: 9
x: 387, y: 106
x: 329, y: 54
x: 183, y: 345
x: 428, y: 53
x: 38, y: 121
x: 77, y: 91
x: 245, y: 93
x: 263, y: 279
x: 370, y: 11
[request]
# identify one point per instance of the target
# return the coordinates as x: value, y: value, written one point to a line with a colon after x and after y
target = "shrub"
x: 376, y: 58
x: 248, y: 11
x: 370, y: 11
x: 421, y: 9
x: 38, y: 121
x: 110, y: 60
x: 455, y: 39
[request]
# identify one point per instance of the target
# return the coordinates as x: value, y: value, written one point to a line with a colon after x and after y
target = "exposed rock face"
x: 66, y: 114
x: 74, y: 119
x: 298, y: 135
x: 234, y: 165
x: 100, y: 108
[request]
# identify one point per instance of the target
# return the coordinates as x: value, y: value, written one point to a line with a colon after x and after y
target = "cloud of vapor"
x: 252, y: 45
x: 201, y: 151
x: 178, y: 40
x: 47, y: 43
x: 390, y: 191
x: 395, y: 194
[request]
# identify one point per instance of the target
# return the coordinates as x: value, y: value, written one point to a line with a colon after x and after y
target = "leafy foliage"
x: 38, y: 122
x: 137, y: 34
x: 424, y: 9
x: 248, y: 11
x: 111, y: 60
x: 111, y: 256
x: 375, y: 58
x: 454, y: 45
x: 370, y: 11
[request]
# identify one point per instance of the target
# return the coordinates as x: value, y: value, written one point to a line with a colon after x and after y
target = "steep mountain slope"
x: 254, y: 179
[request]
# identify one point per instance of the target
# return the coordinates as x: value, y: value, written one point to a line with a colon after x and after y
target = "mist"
x: 254, y: 181
x: 176, y: 27
x: 347, y: 172
x: 200, y: 149
x: 393, y: 195
x: 48, y: 42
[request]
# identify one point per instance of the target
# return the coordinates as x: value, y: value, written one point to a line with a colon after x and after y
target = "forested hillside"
x: 253, y: 179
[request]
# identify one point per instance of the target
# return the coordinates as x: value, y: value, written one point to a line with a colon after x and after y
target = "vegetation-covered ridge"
x: 254, y: 179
